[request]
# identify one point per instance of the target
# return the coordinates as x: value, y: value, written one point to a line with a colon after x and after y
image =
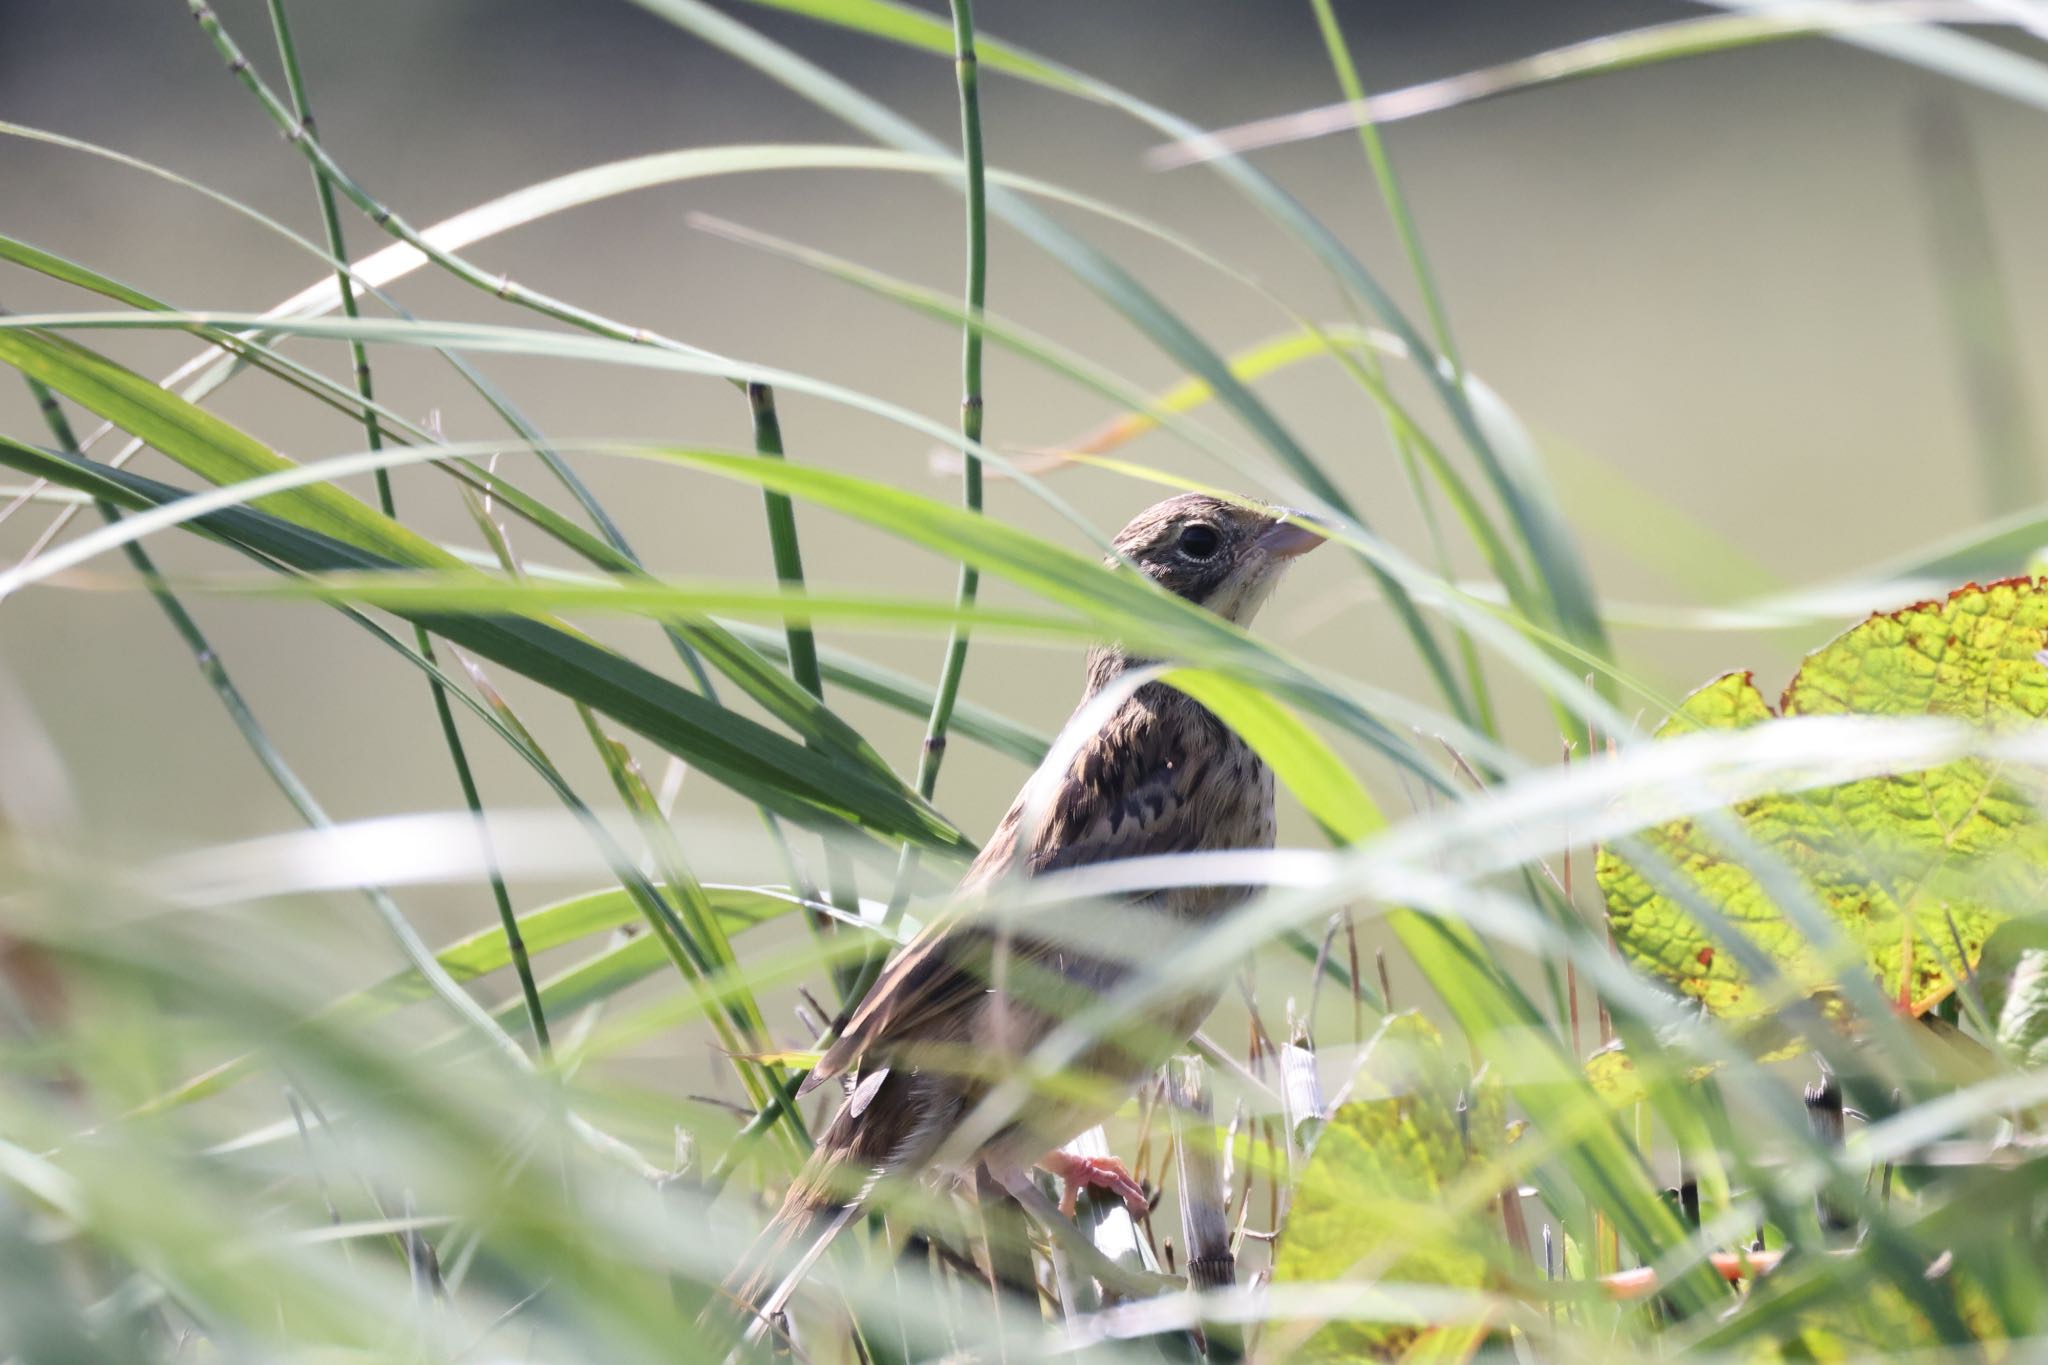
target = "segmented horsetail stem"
x: 971, y: 402
x: 932, y: 752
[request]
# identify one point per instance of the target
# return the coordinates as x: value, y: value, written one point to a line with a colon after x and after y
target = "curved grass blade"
x: 1091, y: 266
x: 1548, y: 540
x: 359, y: 366
x: 1972, y: 61
x: 1485, y: 622
x: 222, y: 453
x: 764, y: 766
x: 279, y: 543
x: 1493, y: 1012
x: 1610, y: 52
x: 487, y: 950
x: 904, y: 693
x: 792, y: 705
x: 424, y: 591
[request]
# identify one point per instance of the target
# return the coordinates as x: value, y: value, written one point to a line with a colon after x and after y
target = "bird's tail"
x: 854, y: 1148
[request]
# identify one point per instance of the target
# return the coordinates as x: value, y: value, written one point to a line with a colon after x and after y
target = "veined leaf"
x: 1371, y: 1202
x: 1918, y: 868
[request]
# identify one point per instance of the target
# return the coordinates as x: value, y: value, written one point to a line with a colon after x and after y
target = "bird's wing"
x: 1127, y: 794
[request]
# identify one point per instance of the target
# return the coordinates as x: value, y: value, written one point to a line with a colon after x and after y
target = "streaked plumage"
x: 1162, y: 775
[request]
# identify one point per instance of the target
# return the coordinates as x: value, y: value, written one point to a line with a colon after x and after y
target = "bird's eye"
x: 1200, y: 541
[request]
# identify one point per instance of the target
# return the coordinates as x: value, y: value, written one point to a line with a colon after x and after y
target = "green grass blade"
x: 904, y: 693
x: 1091, y: 266
x: 1608, y: 53
x: 760, y: 764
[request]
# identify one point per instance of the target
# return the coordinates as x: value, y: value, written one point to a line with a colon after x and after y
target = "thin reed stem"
x: 971, y: 406
x: 844, y: 891
x: 782, y: 540
x: 330, y: 174
x: 1406, y: 438
x: 337, y: 247
x: 933, y: 751
x: 300, y: 134
x: 388, y: 219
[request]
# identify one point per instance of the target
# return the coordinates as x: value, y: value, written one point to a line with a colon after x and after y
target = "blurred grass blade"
x: 1975, y: 293
x: 578, y: 917
x: 1623, y: 51
x: 486, y: 951
x: 1972, y: 61
x: 793, y: 705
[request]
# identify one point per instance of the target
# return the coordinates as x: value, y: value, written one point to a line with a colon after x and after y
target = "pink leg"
x: 1076, y: 1173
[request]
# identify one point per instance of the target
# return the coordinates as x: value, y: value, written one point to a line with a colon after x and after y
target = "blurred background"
x: 1710, y: 286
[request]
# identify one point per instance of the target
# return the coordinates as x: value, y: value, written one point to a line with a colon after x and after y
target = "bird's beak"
x: 1286, y: 539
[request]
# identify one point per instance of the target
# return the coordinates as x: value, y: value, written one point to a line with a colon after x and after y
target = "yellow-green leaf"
x: 1371, y: 1202
x: 1917, y: 868
x: 1878, y: 1322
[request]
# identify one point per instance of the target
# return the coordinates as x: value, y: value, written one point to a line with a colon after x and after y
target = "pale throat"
x: 1236, y: 599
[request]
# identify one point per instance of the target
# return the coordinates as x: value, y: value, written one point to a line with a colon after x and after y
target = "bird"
x: 1160, y: 775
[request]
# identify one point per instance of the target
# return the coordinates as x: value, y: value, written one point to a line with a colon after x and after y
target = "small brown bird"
x: 1162, y: 775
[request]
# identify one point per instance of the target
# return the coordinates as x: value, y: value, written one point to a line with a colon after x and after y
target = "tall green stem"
x: 844, y: 890
x: 933, y: 752
x: 330, y: 220
x: 970, y: 368
x: 789, y: 559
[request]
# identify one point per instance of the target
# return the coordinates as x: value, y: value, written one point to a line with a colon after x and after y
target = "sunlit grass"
x: 232, y: 1127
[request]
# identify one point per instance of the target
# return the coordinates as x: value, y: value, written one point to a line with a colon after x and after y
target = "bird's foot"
x: 1076, y: 1173
x: 1129, y: 1282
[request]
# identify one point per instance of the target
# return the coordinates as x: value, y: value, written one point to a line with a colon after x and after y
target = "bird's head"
x: 1222, y: 555
x: 1225, y: 556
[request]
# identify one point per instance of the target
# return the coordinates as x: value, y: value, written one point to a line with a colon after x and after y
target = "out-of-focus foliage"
x: 1399, y: 1188
x: 236, y: 1124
